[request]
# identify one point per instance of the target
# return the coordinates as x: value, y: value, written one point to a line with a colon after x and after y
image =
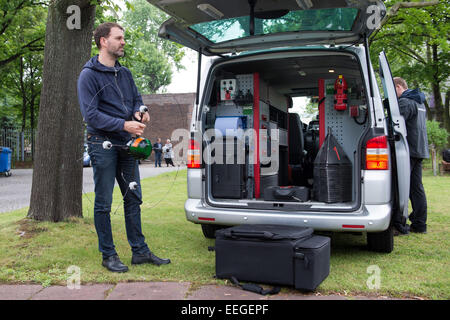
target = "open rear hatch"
x: 248, y: 95
x: 216, y: 27
x: 258, y: 154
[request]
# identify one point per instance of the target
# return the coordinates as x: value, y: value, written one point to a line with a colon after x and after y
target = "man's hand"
x: 145, y: 116
x: 134, y: 127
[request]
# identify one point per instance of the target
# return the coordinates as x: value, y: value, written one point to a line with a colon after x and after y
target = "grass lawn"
x: 40, y: 252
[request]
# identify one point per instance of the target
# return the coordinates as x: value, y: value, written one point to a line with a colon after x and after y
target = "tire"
x: 209, y: 230
x: 381, y: 241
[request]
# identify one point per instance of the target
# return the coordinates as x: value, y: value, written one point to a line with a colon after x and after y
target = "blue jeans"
x: 110, y: 165
x: 158, y: 156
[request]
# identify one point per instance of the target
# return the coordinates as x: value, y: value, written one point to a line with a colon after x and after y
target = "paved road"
x: 15, y: 191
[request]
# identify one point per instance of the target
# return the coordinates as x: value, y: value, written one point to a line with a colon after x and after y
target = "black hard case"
x: 228, y: 177
x: 272, y: 254
x: 228, y: 181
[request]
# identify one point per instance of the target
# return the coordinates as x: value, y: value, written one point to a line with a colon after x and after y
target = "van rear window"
x: 335, y: 19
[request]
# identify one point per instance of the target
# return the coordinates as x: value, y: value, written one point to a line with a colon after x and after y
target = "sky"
x: 185, y: 80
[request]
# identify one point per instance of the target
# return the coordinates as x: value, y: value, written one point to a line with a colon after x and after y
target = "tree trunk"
x: 23, y: 93
x: 435, y: 86
x: 433, y: 160
x: 32, y: 126
x: 56, y: 192
x: 430, y: 112
x: 438, y: 107
x: 447, y: 114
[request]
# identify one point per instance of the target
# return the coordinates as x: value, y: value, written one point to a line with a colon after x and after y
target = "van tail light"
x: 377, y: 154
x: 193, y: 155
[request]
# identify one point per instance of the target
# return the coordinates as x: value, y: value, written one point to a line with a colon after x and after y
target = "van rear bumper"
x: 371, y: 218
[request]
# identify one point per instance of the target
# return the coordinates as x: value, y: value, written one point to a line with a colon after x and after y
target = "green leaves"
x: 22, y: 28
x: 416, y: 44
x: 22, y: 35
x: 150, y: 58
x: 437, y: 136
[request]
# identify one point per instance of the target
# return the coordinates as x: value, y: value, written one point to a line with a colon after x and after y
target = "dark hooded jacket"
x: 415, y: 114
x: 108, y: 97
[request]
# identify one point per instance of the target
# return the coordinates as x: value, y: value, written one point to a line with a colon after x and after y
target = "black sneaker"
x: 114, y: 264
x: 148, y: 258
x: 418, y: 230
x: 401, y: 230
x: 400, y: 233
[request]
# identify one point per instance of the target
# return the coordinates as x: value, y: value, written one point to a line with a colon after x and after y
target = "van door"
x: 401, y: 149
x: 217, y: 27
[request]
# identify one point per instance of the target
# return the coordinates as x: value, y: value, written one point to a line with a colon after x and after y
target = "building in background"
x: 168, y: 111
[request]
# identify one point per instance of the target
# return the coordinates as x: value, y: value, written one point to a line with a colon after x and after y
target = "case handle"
x: 255, y: 288
x: 284, y: 192
x: 302, y: 256
x: 254, y: 235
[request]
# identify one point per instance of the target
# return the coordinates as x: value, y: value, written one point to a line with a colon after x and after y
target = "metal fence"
x: 20, y: 142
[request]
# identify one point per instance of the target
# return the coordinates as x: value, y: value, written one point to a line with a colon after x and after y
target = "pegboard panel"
x: 245, y: 82
x: 344, y: 128
x: 266, y: 93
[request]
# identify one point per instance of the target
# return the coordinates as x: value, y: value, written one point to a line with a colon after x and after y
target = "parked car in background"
x: 86, y: 157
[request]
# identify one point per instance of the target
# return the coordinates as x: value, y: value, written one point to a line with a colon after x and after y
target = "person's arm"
x: 89, y: 98
x: 137, y: 100
x: 406, y: 108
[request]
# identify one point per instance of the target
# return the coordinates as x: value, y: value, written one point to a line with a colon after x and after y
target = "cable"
x: 364, y: 121
x: 178, y: 166
x: 133, y: 185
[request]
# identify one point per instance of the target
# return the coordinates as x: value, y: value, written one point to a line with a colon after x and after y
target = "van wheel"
x: 209, y: 230
x: 381, y: 241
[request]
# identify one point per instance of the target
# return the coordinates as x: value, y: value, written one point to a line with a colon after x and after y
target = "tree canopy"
x: 22, y: 32
x: 150, y: 58
x: 22, y: 36
x: 416, y: 41
x: 22, y: 28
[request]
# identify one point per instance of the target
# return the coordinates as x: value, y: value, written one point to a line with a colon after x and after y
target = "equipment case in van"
x: 287, y: 193
x: 228, y: 177
x: 273, y: 254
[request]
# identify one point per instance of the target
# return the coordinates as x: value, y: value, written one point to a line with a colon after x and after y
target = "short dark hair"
x: 401, y: 82
x: 103, y: 30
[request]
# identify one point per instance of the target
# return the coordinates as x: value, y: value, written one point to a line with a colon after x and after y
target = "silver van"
x: 251, y: 160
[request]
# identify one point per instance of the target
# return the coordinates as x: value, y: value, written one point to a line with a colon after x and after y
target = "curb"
x: 156, y: 291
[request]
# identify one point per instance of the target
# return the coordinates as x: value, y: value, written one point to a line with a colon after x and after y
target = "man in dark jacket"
x: 157, y: 147
x: 412, y: 108
x: 109, y: 100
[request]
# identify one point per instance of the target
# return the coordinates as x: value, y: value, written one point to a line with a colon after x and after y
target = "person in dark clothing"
x: 109, y: 100
x: 157, y: 146
x: 412, y: 108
